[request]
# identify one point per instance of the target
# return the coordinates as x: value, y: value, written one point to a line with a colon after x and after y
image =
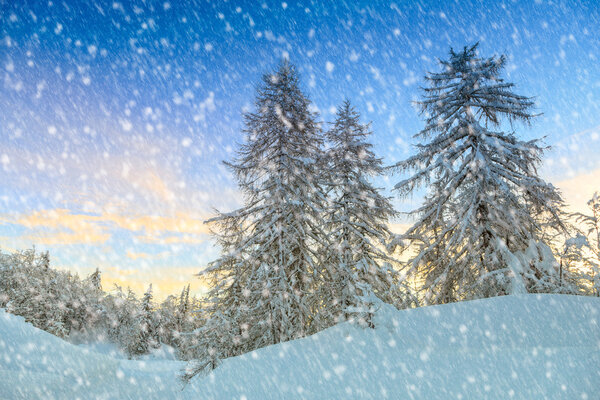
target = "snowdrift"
x: 524, y: 347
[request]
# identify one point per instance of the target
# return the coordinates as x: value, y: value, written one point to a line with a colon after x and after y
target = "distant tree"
x: 584, y: 249
x: 166, y: 315
x: 478, y: 233
x: 95, y: 280
x: 357, y: 218
x: 178, y: 322
x: 144, y: 330
x: 44, y: 259
x: 265, y: 278
x: 122, y: 308
x: 183, y: 309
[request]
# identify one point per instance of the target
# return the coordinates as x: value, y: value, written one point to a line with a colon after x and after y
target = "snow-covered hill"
x: 523, y: 347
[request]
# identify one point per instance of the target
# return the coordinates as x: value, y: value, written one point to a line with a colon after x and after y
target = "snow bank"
x: 37, y: 365
x: 529, y: 347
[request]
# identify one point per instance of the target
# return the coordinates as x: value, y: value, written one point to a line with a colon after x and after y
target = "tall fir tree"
x: 359, y: 267
x: 264, y: 281
x: 183, y: 309
x: 477, y: 233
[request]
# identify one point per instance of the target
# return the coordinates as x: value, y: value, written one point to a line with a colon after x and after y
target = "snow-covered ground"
x: 522, y: 347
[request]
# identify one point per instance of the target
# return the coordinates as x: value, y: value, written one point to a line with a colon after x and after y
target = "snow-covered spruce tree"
x: 166, y: 315
x: 183, y: 309
x: 264, y: 282
x: 185, y: 339
x: 356, y: 220
x: 477, y: 233
x: 145, y: 329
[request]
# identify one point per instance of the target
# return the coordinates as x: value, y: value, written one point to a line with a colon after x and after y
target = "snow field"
x: 521, y: 347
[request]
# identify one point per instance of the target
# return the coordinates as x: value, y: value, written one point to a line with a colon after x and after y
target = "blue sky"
x: 116, y: 114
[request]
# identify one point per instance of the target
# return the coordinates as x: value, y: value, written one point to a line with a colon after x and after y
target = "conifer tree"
x: 167, y: 321
x: 183, y: 308
x: 95, y: 280
x: 147, y: 335
x: 357, y: 222
x: 265, y: 279
x: 477, y: 233
x: 136, y: 329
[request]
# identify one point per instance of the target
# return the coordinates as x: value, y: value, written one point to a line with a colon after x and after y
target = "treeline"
x: 61, y: 303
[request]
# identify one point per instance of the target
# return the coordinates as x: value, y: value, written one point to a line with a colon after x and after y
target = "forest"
x: 311, y: 246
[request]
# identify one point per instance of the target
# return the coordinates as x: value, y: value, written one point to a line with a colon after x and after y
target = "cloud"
x: 61, y: 238
x: 149, y: 181
x: 59, y: 226
x: 164, y: 230
x: 138, y: 187
x: 62, y: 226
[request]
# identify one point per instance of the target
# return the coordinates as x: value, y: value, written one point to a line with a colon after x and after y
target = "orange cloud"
x: 66, y: 238
x: 61, y: 226
x: 164, y: 230
x: 148, y: 178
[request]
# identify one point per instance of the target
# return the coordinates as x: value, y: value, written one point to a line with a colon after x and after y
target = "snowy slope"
x: 524, y: 347
x: 37, y: 365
